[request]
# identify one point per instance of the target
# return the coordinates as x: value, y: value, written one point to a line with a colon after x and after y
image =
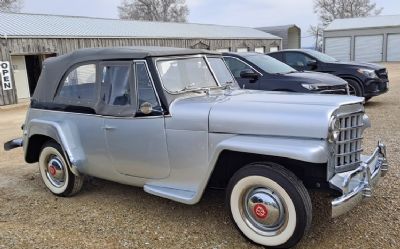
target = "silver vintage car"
x: 174, y: 122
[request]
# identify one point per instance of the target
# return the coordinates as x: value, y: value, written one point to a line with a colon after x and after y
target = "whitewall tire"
x: 55, y: 171
x: 269, y: 205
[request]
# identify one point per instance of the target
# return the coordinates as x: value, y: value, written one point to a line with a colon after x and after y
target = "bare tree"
x: 329, y: 10
x: 154, y: 10
x: 316, y: 31
x: 11, y: 5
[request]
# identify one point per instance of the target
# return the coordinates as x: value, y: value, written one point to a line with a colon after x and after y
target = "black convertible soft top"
x: 55, y: 68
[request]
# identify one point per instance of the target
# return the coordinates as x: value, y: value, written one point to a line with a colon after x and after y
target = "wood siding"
x: 25, y: 46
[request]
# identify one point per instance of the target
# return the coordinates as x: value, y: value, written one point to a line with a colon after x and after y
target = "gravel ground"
x: 111, y: 215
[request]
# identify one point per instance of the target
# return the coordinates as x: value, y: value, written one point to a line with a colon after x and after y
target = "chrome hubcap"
x: 264, y: 211
x: 55, y: 171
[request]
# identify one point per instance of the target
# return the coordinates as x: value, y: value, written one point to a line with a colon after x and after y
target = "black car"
x: 365, y: 79
x: 262, y: 72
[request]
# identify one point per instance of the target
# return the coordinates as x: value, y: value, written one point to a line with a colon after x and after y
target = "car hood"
x: 358, y: 65
x: 252, y: 112
x: 314, y: 78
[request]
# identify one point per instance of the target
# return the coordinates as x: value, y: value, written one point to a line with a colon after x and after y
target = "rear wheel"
x: 55, y: 172
x: 355, y: 88
x: 269, y: 205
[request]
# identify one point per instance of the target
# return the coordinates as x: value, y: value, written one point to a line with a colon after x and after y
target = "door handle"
x: 108, y: 128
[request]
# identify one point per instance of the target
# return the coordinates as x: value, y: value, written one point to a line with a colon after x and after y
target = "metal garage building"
x: 290, y: 34
x: 27, y: 39
x: 367, y: 39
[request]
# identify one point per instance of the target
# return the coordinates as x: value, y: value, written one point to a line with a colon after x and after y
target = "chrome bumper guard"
x: 15, y: 143
x: 358, y: 184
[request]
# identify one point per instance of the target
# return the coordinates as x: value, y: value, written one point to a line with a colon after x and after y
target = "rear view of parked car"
x: 365, y: 79
x: 262, y: 72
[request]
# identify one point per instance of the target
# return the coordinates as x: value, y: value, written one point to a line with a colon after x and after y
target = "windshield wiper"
x: 191, y: 88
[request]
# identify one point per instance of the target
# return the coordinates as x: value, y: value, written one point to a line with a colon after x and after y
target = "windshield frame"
x: 169, y: 58
x: 212, y: 70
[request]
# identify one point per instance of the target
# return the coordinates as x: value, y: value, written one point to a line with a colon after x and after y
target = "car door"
x: 237, y: 66
x: 136, y: 140
x: 298, y: 61
x: 76, y: 99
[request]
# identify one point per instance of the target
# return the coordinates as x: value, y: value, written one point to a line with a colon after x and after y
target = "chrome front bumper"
x: 357, y: 184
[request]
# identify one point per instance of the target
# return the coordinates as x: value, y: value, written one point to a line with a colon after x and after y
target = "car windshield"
x: 221, y: 71
x: 185, y: 74
x: 269, y: 64
x: 321, y: 56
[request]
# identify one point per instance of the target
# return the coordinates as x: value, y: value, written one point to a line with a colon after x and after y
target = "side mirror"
x: 146, y: 108
x: 249, y: 74
x: 312, y: 64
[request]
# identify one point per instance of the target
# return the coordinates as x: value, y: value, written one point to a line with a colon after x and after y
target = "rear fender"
x: 64, y: 134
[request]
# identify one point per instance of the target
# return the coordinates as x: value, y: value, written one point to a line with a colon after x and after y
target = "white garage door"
x: 338, y: 47
x: 242, y: 50
x: 393, y: 47
x: 369, y: 48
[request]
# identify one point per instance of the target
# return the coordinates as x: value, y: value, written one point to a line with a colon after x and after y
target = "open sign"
x: 5, y: 74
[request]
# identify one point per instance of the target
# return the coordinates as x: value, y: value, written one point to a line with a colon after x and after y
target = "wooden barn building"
x: 27, y: 39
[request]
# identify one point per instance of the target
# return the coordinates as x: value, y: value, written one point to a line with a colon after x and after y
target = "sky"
x: 249, y: 13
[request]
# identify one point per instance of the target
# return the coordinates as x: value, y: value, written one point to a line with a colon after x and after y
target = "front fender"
x: 307, y: 150
x: 302, y: 149
x: 63, y: 134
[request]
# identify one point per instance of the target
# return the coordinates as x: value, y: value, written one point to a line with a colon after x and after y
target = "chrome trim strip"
x: 350, y: 140
x: 349, y: 153
x: 351, y: 127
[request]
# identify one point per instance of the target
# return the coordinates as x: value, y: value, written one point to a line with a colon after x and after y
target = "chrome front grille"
x: 348, y: 145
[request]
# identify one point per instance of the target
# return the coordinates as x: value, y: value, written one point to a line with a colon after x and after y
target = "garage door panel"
x: 338, y: 47
x: 393, y: 47
x: 369, y: 48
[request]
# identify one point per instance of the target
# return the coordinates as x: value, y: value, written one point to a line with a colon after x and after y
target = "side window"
x: 146, y: 92
x: 116, y: 84
x: 277, y: 56
x: 297, y: 60
x: 80, y: 83
x: 236, y: 66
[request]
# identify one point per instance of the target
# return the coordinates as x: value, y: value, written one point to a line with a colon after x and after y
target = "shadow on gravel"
x: 374, y: 104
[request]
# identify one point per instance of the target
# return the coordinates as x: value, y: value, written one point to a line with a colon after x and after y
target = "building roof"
x: 278, y: 28
x: 364, y: 23
x: 40, y: 25
x: 283, y: 31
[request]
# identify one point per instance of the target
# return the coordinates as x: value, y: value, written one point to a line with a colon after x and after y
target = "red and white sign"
x: 5, y: 74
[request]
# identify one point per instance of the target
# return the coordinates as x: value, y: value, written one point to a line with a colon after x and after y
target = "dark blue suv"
x: 262, y: 72
x: 365, y: 79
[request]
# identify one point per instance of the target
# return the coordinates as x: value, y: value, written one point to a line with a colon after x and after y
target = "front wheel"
x: 355, y: 88
x: 55, y: 172
x: 269, y: 205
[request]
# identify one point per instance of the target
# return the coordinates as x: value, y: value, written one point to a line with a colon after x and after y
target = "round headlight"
x: 334, y: 129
